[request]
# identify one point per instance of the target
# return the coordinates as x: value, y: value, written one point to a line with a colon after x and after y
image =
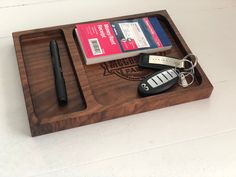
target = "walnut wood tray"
x: 95, y: 92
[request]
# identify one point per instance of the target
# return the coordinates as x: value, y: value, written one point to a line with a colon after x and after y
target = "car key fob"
x: 158, y: 82
x: 144, y: 63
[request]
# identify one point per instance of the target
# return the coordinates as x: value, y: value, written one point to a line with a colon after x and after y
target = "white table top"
x: 196, y: 139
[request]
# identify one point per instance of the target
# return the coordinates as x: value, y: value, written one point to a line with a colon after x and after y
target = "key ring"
x: 183, y: 81
x: 191, y: 63
x: 187, y: 71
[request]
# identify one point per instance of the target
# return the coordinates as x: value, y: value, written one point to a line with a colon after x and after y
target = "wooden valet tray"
x: 95, y: 92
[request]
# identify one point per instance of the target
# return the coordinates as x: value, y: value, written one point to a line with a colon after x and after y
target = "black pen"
x: 58, y: 74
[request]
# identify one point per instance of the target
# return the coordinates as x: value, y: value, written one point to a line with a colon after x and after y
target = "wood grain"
x: 96, y: 92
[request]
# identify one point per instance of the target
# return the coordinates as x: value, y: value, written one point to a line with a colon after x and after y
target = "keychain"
x: 176, y: 71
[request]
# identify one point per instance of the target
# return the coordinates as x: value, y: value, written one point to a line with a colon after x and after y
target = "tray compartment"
x: 116, y: 82
x: 38, y: 66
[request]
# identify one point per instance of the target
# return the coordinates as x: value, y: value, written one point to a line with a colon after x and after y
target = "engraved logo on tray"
x: 125, y: 68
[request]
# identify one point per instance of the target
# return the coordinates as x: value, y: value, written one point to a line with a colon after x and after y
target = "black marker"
x: 58, y: 75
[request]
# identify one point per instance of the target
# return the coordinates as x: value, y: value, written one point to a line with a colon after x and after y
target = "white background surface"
x: 196, y: 139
